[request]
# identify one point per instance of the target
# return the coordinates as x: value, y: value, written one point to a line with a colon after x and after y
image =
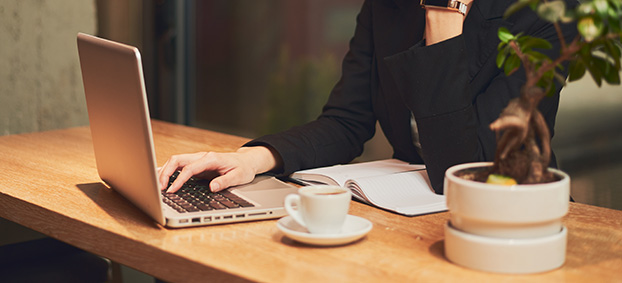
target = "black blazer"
x: 453, y: 89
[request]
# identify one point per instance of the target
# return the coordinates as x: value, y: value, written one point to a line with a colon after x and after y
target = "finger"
x: 173, y: 164
x: 163, y: 178
x: 167, y: 170
x: 230, y: 179
x: 184, y: 175
x: 201, y: 162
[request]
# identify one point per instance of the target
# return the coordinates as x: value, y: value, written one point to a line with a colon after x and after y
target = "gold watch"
x: 446, y: 4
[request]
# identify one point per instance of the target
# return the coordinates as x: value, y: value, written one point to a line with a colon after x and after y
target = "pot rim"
x: 450, y: 175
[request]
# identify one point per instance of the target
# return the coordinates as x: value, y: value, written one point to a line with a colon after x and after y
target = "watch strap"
x: 453, y: 5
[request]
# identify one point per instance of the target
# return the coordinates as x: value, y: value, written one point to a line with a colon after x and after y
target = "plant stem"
x: 526, y: 63
x: 567, y: 51
x: 560, y: 35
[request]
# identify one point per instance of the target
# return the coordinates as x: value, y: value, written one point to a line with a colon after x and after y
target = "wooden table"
x: 49, y: 183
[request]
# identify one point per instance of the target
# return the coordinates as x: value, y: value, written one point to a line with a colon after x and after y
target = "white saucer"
x: 353, y: 229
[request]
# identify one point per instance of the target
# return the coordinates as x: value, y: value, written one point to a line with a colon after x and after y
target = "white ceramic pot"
x: 509, y: 229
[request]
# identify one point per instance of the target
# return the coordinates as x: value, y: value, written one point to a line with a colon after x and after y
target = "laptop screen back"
x: 119, y: 118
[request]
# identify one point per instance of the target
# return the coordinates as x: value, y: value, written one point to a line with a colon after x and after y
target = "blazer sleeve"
x: 347, y: 120
x: 453, y: 113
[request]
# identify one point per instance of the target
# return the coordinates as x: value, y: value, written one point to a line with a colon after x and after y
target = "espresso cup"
x: 321, y: 209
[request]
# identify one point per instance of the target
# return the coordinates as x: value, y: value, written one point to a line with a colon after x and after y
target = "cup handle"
x: 294, y: 213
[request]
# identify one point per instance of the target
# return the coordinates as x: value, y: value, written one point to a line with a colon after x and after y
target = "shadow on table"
x: 118, y: 207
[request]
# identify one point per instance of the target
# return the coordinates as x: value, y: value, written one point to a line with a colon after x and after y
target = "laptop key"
x: 204, y: 207
x: 217, y: 205
x: 192, y: 209
x: 229, y: 204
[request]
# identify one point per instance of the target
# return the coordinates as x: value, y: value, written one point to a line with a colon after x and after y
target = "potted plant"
x: 506, y: 216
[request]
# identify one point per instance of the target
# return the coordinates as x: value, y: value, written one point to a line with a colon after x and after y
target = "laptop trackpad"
x: 265, y: 190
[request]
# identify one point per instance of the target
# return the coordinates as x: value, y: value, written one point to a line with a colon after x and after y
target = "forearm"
x: 261, y: 158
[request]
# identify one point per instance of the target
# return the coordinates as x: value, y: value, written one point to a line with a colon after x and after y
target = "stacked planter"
x: 506, y: 229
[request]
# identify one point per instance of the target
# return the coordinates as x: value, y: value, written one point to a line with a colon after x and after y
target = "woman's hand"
x: 230, y: 168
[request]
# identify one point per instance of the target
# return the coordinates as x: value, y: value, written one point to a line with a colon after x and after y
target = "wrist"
x: 261, y: 158
x: 442, y: 24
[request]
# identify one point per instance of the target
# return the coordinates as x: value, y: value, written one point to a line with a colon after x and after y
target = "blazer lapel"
x: 480, y: 32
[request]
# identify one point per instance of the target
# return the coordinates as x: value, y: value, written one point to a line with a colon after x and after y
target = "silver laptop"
x: 112, y: 74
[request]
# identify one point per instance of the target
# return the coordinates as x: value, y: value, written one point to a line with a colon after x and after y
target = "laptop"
x: 116, y: 100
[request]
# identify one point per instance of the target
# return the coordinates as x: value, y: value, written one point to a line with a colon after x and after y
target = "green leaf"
x: 505, y: 35
x: 569, y: 17
x: 539, y: 56
x: 534, y: 42
x: 546, y: 83
x: 617, y: 4
x: 601, y: 7
x: 501, y: 58
x: 590, y: 28
x: 612, y: 75
x: 594, y: 68
x: 613, y: 51
x: 519, y: 5
x: 576, y: 70
x: 549, y: 75
x: 501, y: 45
x: 511, y: 64
x: 586, y: 52
x: 613, y: 18
x: 585, y: 9
x: 552, y: 11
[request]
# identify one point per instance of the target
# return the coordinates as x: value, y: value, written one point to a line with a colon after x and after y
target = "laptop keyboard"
x: 195, y: 195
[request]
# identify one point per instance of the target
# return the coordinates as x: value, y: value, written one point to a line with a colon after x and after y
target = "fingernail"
x: 215, y: 187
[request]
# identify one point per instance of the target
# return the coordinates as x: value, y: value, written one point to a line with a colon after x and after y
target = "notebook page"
x: 408, y: 192
x: 342, y: 173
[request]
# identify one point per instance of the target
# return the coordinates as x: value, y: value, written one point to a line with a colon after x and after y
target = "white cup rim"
x: 305, y: 191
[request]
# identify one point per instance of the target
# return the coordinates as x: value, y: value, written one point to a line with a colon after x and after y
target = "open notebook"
x: 389, y: 184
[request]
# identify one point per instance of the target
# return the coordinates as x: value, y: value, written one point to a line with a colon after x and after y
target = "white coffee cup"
x: 321, y: 209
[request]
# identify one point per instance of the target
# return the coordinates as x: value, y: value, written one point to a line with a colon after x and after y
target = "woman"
x: 426, y: 74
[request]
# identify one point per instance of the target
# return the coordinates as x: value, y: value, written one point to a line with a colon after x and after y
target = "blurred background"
x: 246, y: 68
